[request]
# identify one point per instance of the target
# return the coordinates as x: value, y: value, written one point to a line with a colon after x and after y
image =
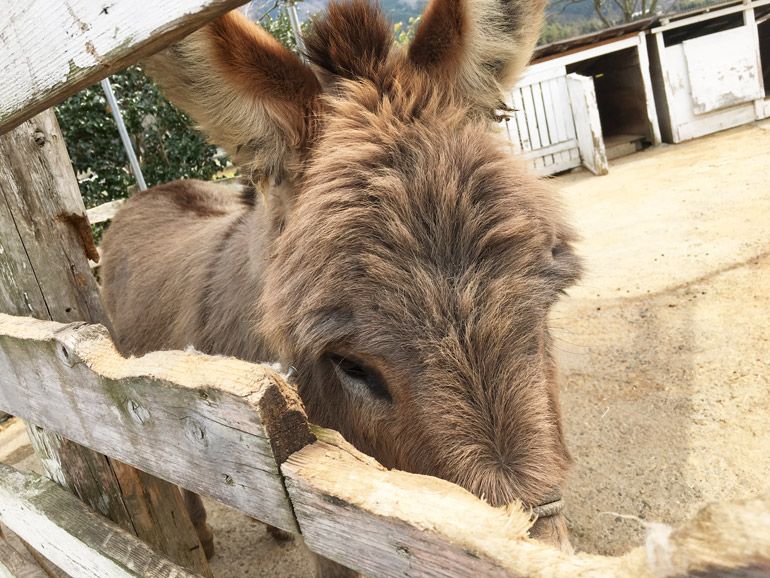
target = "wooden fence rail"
x: 51, y: 50
x: 236, y: 432
x: 213, y: 425
x: 72, y: 536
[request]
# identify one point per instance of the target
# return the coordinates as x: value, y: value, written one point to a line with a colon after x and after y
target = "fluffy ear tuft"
x: 479, y: 46
x: 245, y: 90
x: 352, y: 40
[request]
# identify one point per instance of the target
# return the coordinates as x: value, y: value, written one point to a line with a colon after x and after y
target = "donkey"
x: 387, y: 246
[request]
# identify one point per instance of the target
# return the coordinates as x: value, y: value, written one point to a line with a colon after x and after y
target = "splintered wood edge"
x: 74, y: 537
x: 330, y: 481
x: 347, y: 484
x: 722, y: 539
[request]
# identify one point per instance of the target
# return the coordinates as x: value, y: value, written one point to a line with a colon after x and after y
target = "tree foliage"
x: 555, y: 31
x: 163, y: 137
x: 404, y: 35
x: 612, y: 12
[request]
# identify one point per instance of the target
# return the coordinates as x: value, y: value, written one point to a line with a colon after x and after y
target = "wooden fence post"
x: 45, y: 239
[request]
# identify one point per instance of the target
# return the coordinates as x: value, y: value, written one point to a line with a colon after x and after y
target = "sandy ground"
x: 664, y: 349
x: 665, y: 346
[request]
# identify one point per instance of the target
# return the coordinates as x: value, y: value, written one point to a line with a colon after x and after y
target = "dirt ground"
x: 664, y: 350
x: 665, y: 346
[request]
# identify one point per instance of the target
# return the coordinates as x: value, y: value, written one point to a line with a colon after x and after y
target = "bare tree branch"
x: 598, y: 10
x: 273, y: 7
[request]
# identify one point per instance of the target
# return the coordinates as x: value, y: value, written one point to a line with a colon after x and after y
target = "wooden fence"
x: 555, y: 122
x: 224, y: 428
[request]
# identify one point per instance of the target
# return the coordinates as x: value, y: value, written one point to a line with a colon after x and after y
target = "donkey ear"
x: 245, y: 90
x: 479, y: 46
x: 351, y: 40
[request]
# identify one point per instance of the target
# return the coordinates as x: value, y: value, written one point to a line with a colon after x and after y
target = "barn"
x: 711, y: 69
x: 585, y: 101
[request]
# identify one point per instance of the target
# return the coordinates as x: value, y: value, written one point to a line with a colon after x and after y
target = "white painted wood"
x: 551, y: 149
x: 565, y: 110
x: 521, y: 120
x: 555, y: 110
x: 750, y: 23
x: 587, y: 123
x: 716, y: 121
x: 541, y: 72
x: 669, y: 87
x: 75, y: 538
x: 649, y: 96
x: 567, y: 59
x: 542, y: 125
x: 562, y: 165
x: 531, y: 115
x: 542, y: 120
x: 217, y: 426
x: 762, y: 109
x: 53, y: 49
x: 722, y: 69
x: 709, y: 15
x: 679, y: 91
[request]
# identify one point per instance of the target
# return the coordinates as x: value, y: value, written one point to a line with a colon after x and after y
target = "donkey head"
x: 413, y: 261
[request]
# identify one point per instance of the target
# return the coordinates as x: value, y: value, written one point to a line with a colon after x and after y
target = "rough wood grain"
x: 44, y: 273
x: 73, y: 536
x: 51, y: 50
x: 217, y: 426
x: 389, y: 523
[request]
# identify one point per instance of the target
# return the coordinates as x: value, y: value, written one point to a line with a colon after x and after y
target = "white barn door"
x: 585, y: 111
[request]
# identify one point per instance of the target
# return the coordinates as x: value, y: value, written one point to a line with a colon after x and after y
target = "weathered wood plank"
x: 390, y: 523
x: 585, y: 111
x: 44, y: 241
x: 74, y: 537
x: 51, y: 50
x: 217, y: 426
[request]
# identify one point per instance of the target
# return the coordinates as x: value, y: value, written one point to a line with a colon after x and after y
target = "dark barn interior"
x: 620, y: 96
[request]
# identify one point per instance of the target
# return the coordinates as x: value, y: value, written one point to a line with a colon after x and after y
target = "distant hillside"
x: 565, y: 18
x: 396, y: 10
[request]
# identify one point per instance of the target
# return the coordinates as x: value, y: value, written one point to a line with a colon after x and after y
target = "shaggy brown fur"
x: 406, y: 267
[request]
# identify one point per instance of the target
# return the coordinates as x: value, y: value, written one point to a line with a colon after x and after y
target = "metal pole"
x: 123, y: 134
x: 294, y: 18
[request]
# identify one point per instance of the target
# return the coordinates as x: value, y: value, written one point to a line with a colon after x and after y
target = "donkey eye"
x: 358, y: 378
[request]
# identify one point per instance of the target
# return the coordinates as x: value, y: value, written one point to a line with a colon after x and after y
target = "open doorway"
x: 621, y: 98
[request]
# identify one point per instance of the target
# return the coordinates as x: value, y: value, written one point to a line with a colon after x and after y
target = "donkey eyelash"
x: 357, y: 376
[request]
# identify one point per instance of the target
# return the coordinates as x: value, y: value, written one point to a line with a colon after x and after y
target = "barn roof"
x: 555, y: 49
